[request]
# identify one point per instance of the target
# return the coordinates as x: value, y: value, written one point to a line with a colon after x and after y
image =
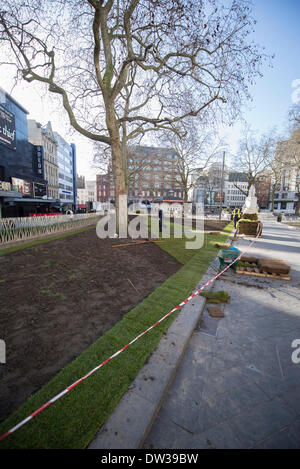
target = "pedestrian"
x: 236, y: 216
x: 160, y: 215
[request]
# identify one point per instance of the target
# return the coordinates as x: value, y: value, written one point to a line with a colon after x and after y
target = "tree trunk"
x: 273, y: 198
x: 124, y: 156
x: 121, y: 188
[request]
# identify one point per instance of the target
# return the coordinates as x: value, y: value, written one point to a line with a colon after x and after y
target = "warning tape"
x: 69, y: 388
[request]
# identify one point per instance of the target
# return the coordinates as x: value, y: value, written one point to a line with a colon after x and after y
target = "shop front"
x: 24, y: 198
x: 25, y: 207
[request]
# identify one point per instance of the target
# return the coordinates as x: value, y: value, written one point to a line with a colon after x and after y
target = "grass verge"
x: 221, y: 296
x: 72, y: 421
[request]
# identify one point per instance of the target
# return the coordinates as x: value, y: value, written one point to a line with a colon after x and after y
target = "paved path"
x: 237, y: 386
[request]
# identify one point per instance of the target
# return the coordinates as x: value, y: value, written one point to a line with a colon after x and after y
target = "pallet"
x: 258, y: 274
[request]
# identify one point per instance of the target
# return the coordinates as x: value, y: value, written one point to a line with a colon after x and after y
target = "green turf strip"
x: 73, y: 420
x: 216, y: 297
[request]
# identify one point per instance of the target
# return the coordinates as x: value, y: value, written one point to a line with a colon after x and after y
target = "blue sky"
x: 278, y: 29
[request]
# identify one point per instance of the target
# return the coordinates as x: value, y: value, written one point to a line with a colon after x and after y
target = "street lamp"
x: 222, y: 184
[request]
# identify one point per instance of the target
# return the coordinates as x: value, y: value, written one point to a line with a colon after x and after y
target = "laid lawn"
x: 72, y: 421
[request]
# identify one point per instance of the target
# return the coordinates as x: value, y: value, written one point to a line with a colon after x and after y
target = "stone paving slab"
x: 262, y: 421
x: 284, y: 439
x: 246, y: 393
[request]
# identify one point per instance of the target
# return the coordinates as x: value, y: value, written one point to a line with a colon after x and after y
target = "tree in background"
x: 196, y: 148
x: 254, y: 155
x: 275, y: 171
x: 123, y: 68
x: 294, y: 116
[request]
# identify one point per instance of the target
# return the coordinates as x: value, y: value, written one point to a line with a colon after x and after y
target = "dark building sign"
x: 7, y: 128
x: 38, y: 165
x: 39, y: 189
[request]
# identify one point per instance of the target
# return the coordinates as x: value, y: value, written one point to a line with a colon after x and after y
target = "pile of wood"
x: 263, y: 267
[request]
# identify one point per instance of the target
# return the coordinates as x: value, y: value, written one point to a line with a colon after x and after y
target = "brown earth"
x: 209, y: 225
x: 57, y: 298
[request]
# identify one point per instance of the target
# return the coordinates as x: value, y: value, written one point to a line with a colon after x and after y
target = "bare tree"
x: 275, y: 171
x: 136, y: 167
x: 254, y: 155
x: 294, y: 116
x: 209, y: 181
x: 177, y: 58
x: 196, y: 147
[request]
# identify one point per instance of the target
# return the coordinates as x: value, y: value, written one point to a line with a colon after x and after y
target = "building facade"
x: 263, y: 192
x: 23, y: 186
x: 87, y: 196
x: 287, y: 192
x: 67, y: 183
x: 105, y: 189
x: 207, y: 187
x: 80, y: 182
x: 44, y: 136
x: 152, y: 173
x: 236, y: 190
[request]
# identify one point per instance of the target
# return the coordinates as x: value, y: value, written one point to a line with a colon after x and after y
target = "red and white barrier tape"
x: 65, y: 391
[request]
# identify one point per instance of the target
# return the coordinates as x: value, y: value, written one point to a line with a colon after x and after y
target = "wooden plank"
x: 137, y: 242
x: 257, y: 274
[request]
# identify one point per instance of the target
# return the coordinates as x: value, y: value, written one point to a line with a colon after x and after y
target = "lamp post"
x: 222, y: 184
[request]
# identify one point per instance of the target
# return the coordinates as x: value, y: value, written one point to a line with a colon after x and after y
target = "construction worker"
x: 236, y: 216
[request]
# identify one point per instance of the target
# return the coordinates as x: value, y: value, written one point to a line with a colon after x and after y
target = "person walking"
x: 236, y: 216
x: 160, y: 216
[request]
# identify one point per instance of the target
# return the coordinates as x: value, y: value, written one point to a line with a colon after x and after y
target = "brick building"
x: 263, y: 190
x: 152, y: 173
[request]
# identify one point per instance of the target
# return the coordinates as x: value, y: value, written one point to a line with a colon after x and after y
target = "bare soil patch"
x: 215, y: 225
x: 57, y: 298
x: 209, y: 225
